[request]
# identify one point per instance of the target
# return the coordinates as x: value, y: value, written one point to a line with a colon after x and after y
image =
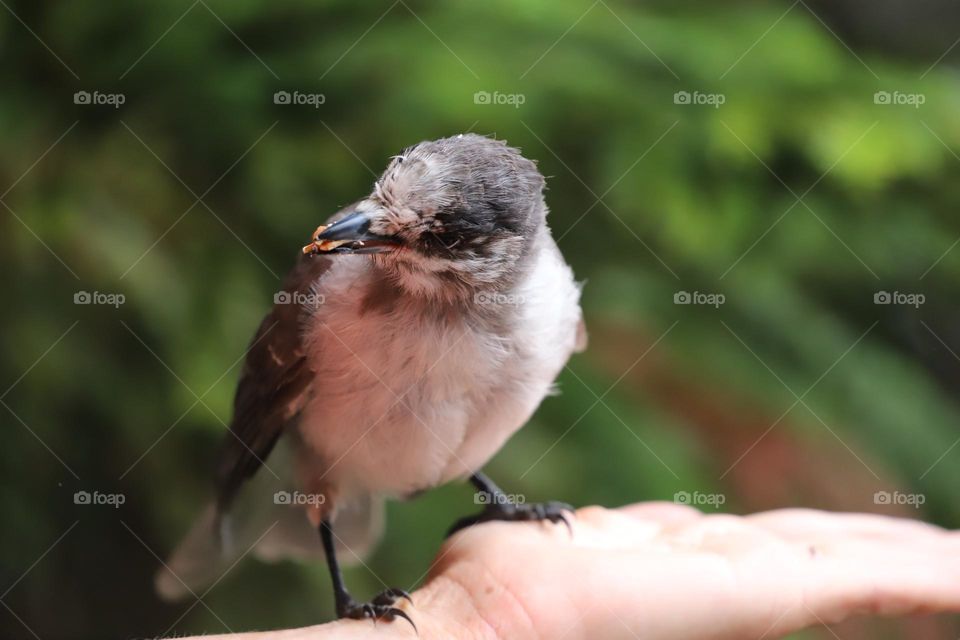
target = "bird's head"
x: 447, y: 217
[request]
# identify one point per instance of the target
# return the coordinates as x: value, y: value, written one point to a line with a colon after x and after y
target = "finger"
x: 808, y: 525
x: 851, y: 564
x: 883, y: 578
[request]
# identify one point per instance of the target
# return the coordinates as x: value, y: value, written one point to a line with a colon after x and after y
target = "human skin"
x: 662, y: 571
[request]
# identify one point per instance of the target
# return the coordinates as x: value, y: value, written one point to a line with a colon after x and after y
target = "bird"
x: 420, y: 329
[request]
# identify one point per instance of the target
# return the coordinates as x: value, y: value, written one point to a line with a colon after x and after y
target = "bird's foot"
x: 380, y: 608
x: 552, y: 511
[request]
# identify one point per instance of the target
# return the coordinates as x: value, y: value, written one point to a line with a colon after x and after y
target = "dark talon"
x: 562, y: 517
x: 389, y: 596
x: 377, y: 609
x: 394, y: 612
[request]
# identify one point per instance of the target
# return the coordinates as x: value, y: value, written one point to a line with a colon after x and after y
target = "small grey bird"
x: 421, y: 329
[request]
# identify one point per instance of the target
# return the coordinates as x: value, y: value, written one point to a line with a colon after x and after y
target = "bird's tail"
x: 197, y: 561
x: 281, y: 531
x: 267, y: 521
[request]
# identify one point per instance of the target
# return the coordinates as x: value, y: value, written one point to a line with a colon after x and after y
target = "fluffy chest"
x: 395, y: 388
x: 408, y: 396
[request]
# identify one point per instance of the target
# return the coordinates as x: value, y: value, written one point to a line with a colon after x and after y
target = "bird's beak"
x: 350, y: 234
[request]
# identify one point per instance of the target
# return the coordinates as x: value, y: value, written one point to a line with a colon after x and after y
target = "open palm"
x: 664, y: 571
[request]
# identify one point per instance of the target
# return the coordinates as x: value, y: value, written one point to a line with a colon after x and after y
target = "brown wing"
x: 274, y: 385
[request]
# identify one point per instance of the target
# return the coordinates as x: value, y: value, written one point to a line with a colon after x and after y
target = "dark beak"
x: 351, y: 234
x: 356, y: 226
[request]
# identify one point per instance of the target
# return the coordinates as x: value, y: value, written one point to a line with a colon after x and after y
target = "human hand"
x: 664, y: 571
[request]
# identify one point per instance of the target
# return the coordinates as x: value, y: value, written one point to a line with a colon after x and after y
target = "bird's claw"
x: 551, y: 511
x: 389, y: 596
x: 380, y: 608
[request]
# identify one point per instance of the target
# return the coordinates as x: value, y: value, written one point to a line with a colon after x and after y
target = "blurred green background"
x: 739, y: 149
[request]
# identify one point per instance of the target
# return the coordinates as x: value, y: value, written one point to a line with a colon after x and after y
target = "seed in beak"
x: 322, y: 246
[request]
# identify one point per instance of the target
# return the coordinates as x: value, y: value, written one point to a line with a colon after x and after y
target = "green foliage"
x: 694, y: 198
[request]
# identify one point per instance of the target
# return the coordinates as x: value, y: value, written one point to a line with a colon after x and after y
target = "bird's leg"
x: 380, y: 608
x: 497, y: 506
x: 485, y: 485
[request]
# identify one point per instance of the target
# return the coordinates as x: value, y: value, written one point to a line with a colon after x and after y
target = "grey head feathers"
x: 468, y: 209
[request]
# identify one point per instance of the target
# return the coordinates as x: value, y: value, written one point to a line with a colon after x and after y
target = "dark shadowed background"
x: 788, y: 169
